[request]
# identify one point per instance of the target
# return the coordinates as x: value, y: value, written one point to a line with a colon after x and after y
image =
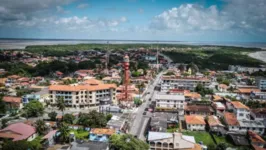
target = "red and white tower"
x: 126, y: 74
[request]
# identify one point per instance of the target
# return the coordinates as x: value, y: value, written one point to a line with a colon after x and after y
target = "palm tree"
x: 64, y: 132
x: 60, y: 104
x: 40, y: 127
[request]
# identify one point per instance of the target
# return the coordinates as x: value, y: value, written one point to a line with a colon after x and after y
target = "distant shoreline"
x: 7, y: 43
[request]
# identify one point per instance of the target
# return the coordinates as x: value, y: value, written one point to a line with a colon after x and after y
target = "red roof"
x: 50, y: 134
x: 254, y: 137
x: 11, y: 99
x: 231, y: 119
x: 194, y: 119
x: 17, y: 131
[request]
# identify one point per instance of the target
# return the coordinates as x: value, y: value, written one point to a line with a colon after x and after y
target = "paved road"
x: 140, y: 121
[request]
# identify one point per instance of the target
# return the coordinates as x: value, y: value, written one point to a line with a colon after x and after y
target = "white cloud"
x: 235, y: 15
x: 123, y: 19
x: 82, y: 6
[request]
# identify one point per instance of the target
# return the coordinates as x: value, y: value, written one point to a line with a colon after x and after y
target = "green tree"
x: 108, y: 117
x: 40, y: 127
x: 93, y: 119
x: 64, y: 132
x: 33, y: 109
x: 221, y: 146
x: 68, y: 118
x: 52, y: 115
x: 2, y: 106
x: 60, y: 104
x: 127, y: 142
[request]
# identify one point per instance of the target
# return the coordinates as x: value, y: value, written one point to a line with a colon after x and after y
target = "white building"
x: 84, y: 96
x: 241, y: 111
x: 168, y: 83
x: 245, y: 69
x: 170, y: 102
x: 261, y: 83
x: 259, y: 114
x: 171, y: 141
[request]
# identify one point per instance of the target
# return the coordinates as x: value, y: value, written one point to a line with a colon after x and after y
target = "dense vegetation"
x: 215, y: 59
x: 127, y: 142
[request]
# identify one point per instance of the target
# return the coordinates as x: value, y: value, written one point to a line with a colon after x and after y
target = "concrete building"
x: 168, y: 83
x: 84, y: 96
x: 195, y: 122
x: 172, y: 141
x: 258, y: 114
x: 261, y: 83
x: 170, y: 102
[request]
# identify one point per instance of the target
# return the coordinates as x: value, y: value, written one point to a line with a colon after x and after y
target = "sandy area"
x: 259, y: 55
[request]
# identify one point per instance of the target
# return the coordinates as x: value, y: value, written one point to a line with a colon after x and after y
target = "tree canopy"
x: 127, y: 142
x: 93, y: 119
x: 34, y: 109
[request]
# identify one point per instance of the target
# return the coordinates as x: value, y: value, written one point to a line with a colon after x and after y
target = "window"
x: 241, y: 115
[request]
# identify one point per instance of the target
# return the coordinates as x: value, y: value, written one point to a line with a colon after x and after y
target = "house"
x: 90, y: 145
x: 256, y: 140
x: 241, y: 111
x: 171, y: 141
x: 215, y: 125
x: 219, y: 107
x: 204, y: 110
x: 170, y: 102
x: 192, y: 96
x: 231, y: 121
x: 18, y: 131
x: 258, y: 114
x: 195, y: 122
x: 161, y: 121
x: 49, y: 139
x: 101, y: 134
x: 118, y: 123
x: 13, y: 102
x: 217, y: 98
x: 41, y: 96
x: 222, y: 87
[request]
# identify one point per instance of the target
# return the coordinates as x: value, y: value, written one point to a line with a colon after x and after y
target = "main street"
x: 140, y: 121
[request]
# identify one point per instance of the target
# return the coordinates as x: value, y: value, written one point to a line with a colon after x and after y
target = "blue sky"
x: 177, y: 20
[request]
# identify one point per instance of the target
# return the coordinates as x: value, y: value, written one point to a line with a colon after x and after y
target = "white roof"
x: 170, y: 97
x: 159, y: 135
x: 189, y: 138
x: 219, y: 105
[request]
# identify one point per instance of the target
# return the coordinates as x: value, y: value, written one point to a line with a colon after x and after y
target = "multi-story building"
x: 84, y: 96
x: 170, y: 102
x: 241, y: 111
x: 245, y: 69
x: 261, y: 83
x: 168, y: 83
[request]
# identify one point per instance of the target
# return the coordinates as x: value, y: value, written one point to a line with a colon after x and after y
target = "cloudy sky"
x: 177, y: 20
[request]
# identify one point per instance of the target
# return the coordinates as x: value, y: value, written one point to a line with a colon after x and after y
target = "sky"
x: 164, y: 20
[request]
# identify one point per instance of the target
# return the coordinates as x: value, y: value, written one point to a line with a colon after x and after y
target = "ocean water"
x: 22, y: 43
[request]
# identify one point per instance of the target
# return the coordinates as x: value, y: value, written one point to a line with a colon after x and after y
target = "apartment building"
x: 186, y: 83
x: 84, y: 96
x: 170, y: 102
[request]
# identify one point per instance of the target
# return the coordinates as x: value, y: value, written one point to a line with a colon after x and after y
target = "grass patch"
x: 221, y: 139
x: 200, y: 136
x: 173, y: 129
x: 81, y: 134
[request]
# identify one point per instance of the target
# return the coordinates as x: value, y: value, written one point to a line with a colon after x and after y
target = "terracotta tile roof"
x: 231, y: 119
x: 238, y: 105
x: 247, y: 90
x: 17, y: 131
x: 254, y: 137
x: 102, y: 131
x: 50, y: 134
x: 193, y: 95
x: 13, y: 77
x: 92, y: 81
x: 259, y: 111
x: 217, y: 98
x: 255, y: 147
x: 81, y: 87
x: 194, y: 119
x: 3, y: 80
x: 85, y: 71
x: 59, y: 73
x: 199, y: 108
x: 214, y: 121
x: 223, y: 86
x: 11, y: 99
